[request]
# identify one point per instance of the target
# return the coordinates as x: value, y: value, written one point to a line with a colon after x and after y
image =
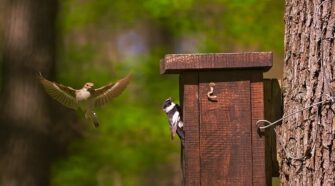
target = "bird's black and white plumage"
x: 174, y: 114
x: 86, y: 98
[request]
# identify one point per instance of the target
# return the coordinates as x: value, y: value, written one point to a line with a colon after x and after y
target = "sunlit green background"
x: 103, y: 40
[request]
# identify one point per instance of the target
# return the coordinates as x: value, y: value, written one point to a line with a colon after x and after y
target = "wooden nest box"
x: 222, y: 98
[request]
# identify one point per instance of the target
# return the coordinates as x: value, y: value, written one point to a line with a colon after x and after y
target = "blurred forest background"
x: 103, y: 40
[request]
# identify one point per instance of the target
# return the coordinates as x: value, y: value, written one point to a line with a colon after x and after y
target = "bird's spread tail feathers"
x: 91, y: 117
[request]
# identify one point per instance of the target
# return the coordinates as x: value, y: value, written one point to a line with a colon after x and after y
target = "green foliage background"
x: 103, y: 40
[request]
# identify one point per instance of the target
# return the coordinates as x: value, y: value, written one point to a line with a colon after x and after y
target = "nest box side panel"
x: 258, y: 142
x: 225, y: 129
x: 190, y: 87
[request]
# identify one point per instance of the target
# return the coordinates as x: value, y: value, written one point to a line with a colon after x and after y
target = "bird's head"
x: 88, y: 85
x: 167, y: 104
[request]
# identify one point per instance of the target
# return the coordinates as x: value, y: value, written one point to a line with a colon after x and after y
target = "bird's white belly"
x: 82, y: 95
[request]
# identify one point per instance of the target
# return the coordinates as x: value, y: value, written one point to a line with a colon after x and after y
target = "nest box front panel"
x: 225, y: 129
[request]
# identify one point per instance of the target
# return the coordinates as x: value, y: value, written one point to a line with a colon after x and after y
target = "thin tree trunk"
x: 26, y: 146
x: 306, y: 140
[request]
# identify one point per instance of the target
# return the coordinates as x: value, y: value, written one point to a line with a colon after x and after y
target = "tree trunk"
x: 306, y: 140
x: 25, y: 137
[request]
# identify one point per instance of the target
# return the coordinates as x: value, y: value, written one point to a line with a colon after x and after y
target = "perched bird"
x: 86, y: 98
x: 173, y: 112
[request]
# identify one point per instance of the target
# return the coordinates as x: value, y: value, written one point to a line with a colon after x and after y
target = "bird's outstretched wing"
x: 106, y: 93
x: 63, y: 94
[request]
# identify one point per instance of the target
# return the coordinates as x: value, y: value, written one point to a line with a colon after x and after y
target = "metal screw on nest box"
x: 210, y: 93
x: 86, y: 98
x: 173, y: 112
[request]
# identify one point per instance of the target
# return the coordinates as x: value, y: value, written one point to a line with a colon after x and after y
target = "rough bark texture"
x: 306, y: 140
x: 27, y: 137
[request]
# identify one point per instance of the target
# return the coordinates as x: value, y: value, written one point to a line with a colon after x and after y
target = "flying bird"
x: 173, y: 112
x: 86, y: 98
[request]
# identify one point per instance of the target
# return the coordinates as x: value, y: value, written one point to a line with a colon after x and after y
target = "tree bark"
x: 26, y: 136
x: 306, y: 140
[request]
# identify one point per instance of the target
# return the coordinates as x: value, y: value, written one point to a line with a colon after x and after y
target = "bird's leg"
x: 91, y: 117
